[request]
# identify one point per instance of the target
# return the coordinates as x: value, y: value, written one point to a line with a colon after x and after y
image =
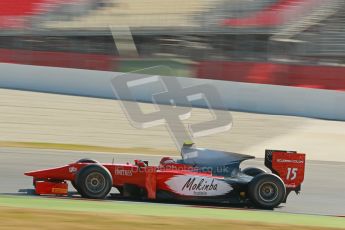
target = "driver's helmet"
x: 166, y: 160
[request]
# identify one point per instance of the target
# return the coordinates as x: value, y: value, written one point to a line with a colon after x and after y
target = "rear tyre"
x: 266, y: 191
x: 253, y: 171
x: 94, y: 181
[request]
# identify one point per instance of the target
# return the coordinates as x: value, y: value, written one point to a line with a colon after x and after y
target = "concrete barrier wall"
x: 248, y: 97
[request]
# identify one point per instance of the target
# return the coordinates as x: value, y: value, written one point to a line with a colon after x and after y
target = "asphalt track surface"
x: 323, y: 191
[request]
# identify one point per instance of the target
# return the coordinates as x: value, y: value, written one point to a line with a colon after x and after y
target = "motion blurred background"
x: 273, y: 43
x: 282, y: 42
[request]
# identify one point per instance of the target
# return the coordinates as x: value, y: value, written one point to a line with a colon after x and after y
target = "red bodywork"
x: 169, y: 176
x: 290, y: 168
x: 47, y: 187
x: 151, y: 178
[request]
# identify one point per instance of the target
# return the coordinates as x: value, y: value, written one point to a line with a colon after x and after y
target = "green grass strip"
x: 168, y: 210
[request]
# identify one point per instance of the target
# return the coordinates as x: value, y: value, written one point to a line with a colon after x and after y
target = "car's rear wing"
x: 289, y: 166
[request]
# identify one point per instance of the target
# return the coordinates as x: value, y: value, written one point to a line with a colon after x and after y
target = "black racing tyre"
x: 83, y: 160
x: 253, y: 171
x: 266, y: 191
x: 94, y: 181
x: 87, y: 160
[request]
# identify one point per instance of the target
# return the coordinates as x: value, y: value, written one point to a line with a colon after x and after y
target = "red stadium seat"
x: 273, y: 15
x: 14, y: 13
x: 19, y: 7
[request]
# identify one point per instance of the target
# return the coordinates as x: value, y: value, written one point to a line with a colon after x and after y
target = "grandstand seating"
x: 275, y: 14
x: 326, y: 38
x: 19, y: 8
x: 16, y: 13
x: 315, y: 30
x: 134, y: 13
x: 12, y: 12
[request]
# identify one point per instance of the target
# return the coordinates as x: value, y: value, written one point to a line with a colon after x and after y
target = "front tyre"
x: 266, y: 191
x: 83, y: 160
x: 94, y: 181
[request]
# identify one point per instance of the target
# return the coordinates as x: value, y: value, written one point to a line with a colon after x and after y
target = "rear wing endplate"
x: 288, y: 165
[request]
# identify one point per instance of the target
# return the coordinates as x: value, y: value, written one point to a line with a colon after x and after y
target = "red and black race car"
x: 201, y: 175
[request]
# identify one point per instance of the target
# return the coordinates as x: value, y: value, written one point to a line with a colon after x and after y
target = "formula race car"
x: 201, y: 175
